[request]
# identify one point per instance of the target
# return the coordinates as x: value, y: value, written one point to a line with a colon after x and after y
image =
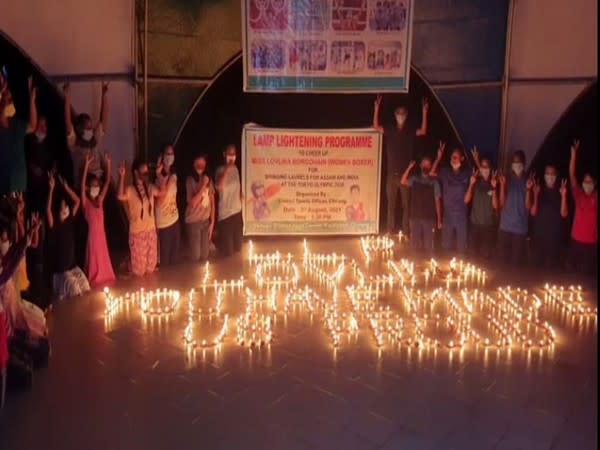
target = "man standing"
x: 399, y: 140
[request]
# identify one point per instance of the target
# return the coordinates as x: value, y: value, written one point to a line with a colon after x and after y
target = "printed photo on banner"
x: 263, y: 199
x: 347, y: 56
x: 308, y: 56
x: 355, y: 210
x: 309, y: 15
x: 384, y: 56
x: 268, y: 14
x: 349, y: 15
x: 267, y: 55
x: 388, y: 15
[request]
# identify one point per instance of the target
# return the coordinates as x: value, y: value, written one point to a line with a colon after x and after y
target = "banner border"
x: 244, y: 155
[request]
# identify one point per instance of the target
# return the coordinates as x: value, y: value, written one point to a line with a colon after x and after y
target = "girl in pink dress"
x: 98, y: 266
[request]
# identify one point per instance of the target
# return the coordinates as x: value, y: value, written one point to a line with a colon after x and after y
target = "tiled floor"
x: 129, y: 384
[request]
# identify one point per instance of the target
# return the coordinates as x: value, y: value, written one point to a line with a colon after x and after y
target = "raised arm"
x: 33, y: 112
x: 121, y: 194
x: 72, y: 195
x: 438, y: 203
x: 404, y: 179
x: 20, y: 215
x: 471, y: 188
x: 535, y: 205
x: 475, y: 156
x: 107, y: 177
x: 422, y: 131
x: 438, y: 159
x: 220, y: 178
x: 376, y: 108
x: 529, y: 184
x: 49, y: 215
x: 35, y: 230
x: 494, y: 184
x: 104, y: 107
x: 67, y: 112
x: 564, y: 204
x: 573, y: 164
x: 86, y: 166
x: 502, y: 196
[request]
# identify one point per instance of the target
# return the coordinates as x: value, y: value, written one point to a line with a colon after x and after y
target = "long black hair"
x: 135, y: 167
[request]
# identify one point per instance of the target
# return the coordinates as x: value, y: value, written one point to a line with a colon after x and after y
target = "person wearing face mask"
x: 139, y: 198
x: 549, y: 210
x: 68, y: 280
x: 39, y: 161
x: 200, y: 210
x: 454, y: 181
x: 584, y: 232
x: 84, y: 136
x: 13, y: 167
x: 98, y: 266
x: 399, y: 143
x: 425, y: 205
x: 515, y: 202
x: 483, y: 198
x: 167, y: 214
x: 230, y: 204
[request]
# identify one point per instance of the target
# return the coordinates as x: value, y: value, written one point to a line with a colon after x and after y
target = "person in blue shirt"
x: 515, y: 202
x: 425, y: 206
x: 455, y: 182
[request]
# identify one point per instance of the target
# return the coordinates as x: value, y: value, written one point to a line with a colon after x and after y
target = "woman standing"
x: 167, y: 215
x: 98, y: 266
x: 140, y: 208
x: 200, y: 211
x: 230, y: 204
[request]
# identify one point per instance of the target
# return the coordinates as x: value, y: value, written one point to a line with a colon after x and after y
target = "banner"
x: 326, y: 45
x: 310, y: 182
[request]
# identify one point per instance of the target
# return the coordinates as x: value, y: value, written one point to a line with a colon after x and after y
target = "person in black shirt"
x: 398, y: 150
x: 68, y: 280
x: 549, y: 210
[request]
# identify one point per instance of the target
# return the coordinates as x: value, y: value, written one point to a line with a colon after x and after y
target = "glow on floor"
x: 425, y: 304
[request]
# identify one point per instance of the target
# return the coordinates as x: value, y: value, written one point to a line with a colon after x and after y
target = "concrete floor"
x: 129, y: 383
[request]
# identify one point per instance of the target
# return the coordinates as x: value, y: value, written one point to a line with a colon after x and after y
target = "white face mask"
x: 550, y: 180
x: 64, y: 213
x: 230, y: 159
x: 400, y: 119
x: 485, y: 173
x: 94, y: 191
x: 169, y: 160
x: 87, y: 135
x: 40, y: 136
x: 588, y: 188
x: 517, y: 168
x: 4, y: 246
x: 455, y: 165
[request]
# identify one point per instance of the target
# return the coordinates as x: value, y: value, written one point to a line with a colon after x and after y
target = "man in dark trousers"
x: 399, y: 140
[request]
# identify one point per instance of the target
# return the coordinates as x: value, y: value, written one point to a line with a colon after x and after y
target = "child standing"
x: 167, y: 214
x: 98, y: 268
x: 200, y: 211
x: 68, y: 280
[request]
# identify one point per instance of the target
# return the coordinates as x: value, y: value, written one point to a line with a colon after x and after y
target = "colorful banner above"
x: 310, y: 182
x: 326, y: 45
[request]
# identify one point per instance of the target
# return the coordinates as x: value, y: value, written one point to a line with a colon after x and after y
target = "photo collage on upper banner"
x: 327, y: 37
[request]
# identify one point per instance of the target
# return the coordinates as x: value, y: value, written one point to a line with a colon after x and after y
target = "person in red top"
x: 584, y: 234
x: 355, y: 211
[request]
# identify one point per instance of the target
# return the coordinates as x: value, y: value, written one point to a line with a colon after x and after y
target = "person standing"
x: 13, y: 167
x: 98, y: 266
x: 139, y: 197
x: 483, y: 197
x: 229, y: 226
x: 167, y: 214
x: 549, y: 210
x: 514, y: 202
x: 200, y: 211
x: 584, y: 233
x: 425, y: 206
x: 454, y: 181
x: 399, y: 142
x: 85, y: 137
